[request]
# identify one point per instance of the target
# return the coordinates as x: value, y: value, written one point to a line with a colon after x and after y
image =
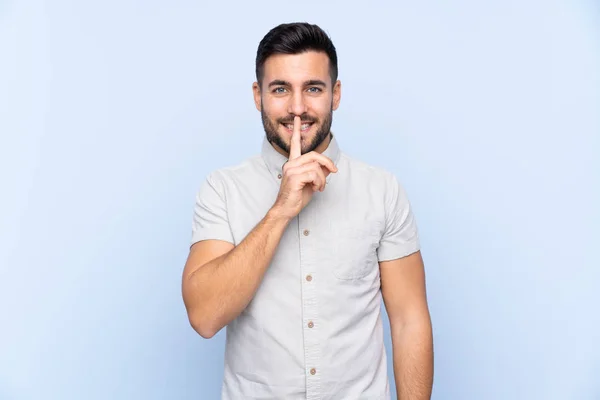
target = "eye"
x: 314, y: 89
x: 279, y: 90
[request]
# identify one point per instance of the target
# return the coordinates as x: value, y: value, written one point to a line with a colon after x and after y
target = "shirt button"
x: 306, y: 232
x: 311, y: 324
x: 279, y: 176
x: 309, y: 278
x: 313, y: 371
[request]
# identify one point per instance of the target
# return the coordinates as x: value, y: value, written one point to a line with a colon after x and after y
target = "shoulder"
x: 230, y: 174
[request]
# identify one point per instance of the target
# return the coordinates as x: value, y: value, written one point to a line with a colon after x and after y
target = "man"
x: 294, y: 249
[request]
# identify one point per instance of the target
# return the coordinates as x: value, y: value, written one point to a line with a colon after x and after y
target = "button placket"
x: 308, y: 261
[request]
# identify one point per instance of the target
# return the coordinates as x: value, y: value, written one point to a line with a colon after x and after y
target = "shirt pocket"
x: 355, y: 254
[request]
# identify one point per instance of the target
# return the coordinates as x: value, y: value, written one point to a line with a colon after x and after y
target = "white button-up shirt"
x: 313, y: 329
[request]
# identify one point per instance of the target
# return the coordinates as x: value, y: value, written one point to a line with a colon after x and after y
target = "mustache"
x: 304, y: 118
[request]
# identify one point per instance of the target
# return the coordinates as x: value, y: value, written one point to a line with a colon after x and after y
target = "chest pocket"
x: 355, y: 251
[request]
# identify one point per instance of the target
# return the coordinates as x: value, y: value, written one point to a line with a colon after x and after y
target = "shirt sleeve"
x: 210, y: 219
x: 400, y: 237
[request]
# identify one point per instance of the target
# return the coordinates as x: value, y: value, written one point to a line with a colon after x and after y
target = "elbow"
x: 198, y: 317
x: 205, y: 327
x: 206, y: 332
x: 418, y: 323
x: 201, y: 312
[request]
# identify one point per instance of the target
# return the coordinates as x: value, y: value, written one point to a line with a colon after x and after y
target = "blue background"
x: 113, y: 112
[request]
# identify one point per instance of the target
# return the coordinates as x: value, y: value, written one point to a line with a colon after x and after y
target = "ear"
x: 257, y: 95
x: 337, y: 94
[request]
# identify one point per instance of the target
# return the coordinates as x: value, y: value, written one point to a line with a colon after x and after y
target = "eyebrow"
x: 312, y: 82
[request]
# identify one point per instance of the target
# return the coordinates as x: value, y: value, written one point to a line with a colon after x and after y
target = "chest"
x: 337, y: 234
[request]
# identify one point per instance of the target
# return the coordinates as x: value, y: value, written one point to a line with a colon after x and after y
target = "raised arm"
x: 219, y: 280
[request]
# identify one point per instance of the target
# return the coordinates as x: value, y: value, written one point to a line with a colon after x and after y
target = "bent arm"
x: 219, y: 280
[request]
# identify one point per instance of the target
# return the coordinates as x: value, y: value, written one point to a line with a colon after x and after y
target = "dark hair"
x: 295, y: 38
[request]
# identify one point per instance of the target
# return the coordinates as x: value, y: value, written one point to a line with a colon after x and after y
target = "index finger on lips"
x: 295, y: 147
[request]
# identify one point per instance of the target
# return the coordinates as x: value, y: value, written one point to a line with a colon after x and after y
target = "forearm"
x: 413, y: 360
x: 221, y: 289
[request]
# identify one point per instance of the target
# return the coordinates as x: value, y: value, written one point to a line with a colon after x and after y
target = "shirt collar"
x: 275, y: 160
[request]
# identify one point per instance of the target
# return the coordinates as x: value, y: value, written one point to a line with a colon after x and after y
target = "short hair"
x: 295, y: 38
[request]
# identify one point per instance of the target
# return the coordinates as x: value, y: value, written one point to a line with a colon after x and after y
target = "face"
x: 298, y: 84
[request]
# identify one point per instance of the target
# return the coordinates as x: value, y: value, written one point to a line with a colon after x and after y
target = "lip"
x: 290, y: 131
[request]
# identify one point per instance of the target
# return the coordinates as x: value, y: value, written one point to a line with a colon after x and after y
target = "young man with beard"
x: 294, y: 249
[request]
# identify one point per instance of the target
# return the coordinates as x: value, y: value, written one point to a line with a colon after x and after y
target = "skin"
x: 405, y: 299
x: 219, y: 279
x: 297, y: 85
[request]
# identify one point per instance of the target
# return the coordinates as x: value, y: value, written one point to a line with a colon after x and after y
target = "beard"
x: 274, y: 137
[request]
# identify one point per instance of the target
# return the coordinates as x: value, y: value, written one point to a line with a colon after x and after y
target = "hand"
x: 302, y: 176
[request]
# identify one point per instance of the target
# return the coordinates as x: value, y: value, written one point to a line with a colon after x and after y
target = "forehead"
x: 297, y: 68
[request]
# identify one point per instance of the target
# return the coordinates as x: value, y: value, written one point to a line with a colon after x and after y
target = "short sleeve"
x: 210, y: 213
x: 400, y: 237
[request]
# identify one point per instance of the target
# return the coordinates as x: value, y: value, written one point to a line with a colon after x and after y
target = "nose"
x: 297, y: 105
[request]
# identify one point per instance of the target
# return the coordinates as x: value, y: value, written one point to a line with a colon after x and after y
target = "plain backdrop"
x: 113, y: 112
